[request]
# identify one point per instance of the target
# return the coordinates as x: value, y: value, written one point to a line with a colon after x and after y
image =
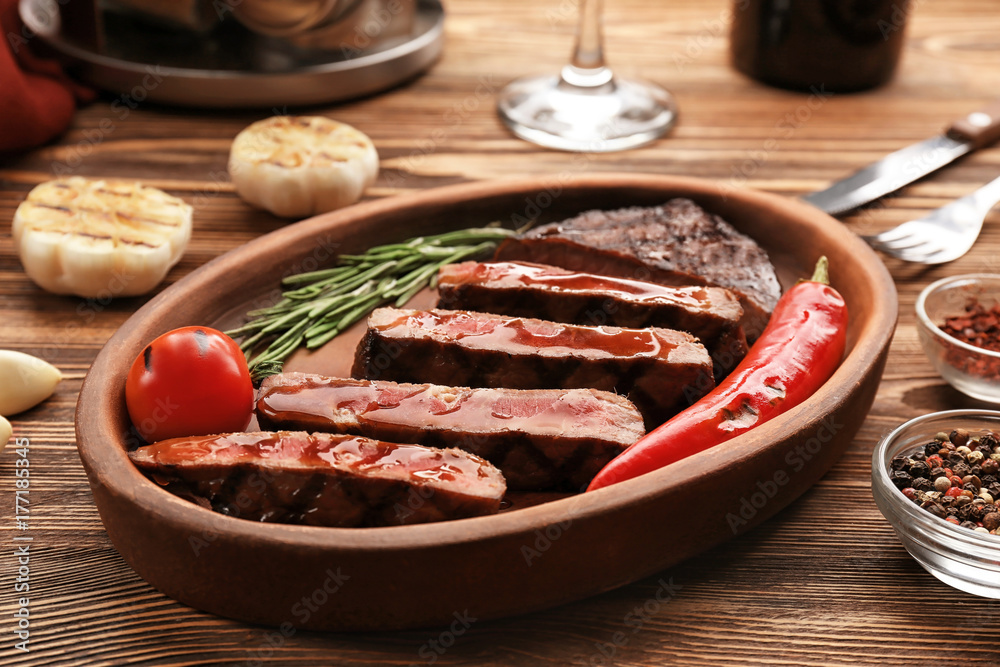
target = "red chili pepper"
x: 799, y: 350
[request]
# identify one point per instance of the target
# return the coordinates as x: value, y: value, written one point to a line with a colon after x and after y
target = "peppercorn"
x: 901, y: 479
x: 936, y: 510
x: 956, y: 477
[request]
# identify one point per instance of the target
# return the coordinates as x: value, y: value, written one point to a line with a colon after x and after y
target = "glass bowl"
x: 972, y: 370
x: 960, y: 557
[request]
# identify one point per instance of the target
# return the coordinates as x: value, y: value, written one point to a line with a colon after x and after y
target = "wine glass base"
x: 618, y: 115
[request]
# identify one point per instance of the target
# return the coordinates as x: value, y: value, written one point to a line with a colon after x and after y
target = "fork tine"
x: 915, y: 251
x: 937, y: 256
x: 944, y: 234
x: 906, y: 243
x: 895, y: 234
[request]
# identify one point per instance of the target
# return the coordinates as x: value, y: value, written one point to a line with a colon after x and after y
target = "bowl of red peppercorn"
x: 959, y: 327
x: 936, y: 479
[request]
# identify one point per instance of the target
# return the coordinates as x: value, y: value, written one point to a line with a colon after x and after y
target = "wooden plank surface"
x: 823, y: 583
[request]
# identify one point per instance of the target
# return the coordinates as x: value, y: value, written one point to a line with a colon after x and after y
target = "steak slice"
x: 540, y: 439
x: 323, y: 479
x: 678, y: 243
x: 660, y: 370
x: 711, y: 314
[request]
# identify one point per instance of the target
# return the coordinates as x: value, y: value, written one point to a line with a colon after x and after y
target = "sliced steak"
x: 324, y: 479
x: 711, y: 314
x: 661, y: 371
x: 540, y: 439
x: 678, y: 243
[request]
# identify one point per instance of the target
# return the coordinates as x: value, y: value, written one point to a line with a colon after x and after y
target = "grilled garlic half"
x: 97, y: 238
x: 25, y: 381
x: 296, y: 166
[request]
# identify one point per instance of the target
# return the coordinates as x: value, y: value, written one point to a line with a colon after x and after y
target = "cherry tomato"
x: 189, y: 381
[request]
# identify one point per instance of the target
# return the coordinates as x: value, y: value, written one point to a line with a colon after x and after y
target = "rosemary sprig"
x: 321, y: 304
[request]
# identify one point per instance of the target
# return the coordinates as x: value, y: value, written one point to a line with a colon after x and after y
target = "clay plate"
x: 525, y: 558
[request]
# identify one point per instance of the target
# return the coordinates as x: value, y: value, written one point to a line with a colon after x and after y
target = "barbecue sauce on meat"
x: 547, y: 338
x: 324, y: 479
x: 542, y: 439
x: 545, y: 276
x: 661, y: 371
x: 519, y: 289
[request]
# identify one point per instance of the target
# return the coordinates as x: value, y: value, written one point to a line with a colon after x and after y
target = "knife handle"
x: 980, y: 128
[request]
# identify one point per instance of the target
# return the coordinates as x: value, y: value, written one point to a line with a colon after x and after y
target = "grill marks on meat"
x: 660, y: 370
x: 712, y: 314
x: 324, y: 479
x: 678, y: 243
x: 544, y: 439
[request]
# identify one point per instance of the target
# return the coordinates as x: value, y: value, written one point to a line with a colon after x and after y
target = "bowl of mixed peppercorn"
x: 959, y: 326
x: 936, y: 479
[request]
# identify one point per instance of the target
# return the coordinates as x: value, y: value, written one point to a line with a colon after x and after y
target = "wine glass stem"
x: 588, y: 56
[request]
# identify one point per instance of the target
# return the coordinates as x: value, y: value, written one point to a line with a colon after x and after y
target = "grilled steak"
x: 678, y: 243
x: 711, y: 314
x: 540, y: 439
x: 660, y: 370
x: 323, y: 479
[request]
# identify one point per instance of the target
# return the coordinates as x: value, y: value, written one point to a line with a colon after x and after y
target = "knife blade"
x: 977, y: 130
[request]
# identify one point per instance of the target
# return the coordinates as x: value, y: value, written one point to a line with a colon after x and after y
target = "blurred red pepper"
x: 799, y: 350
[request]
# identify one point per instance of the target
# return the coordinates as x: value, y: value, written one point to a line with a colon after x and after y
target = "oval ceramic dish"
x: 524, y: 558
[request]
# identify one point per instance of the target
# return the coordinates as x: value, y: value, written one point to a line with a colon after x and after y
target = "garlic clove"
x: 6, y: 430
x: 295, y: 166
x: 25, y: 381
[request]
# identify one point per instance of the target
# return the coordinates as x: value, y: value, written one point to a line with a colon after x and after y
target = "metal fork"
x: 945, y: 234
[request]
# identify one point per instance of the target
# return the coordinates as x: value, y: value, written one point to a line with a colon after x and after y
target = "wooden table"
x: 824, y: 582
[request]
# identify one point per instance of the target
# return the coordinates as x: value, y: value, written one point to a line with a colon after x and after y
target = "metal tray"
x: 231, y: 67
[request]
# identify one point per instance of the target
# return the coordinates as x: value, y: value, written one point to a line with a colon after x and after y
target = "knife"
x: 977, y: 130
